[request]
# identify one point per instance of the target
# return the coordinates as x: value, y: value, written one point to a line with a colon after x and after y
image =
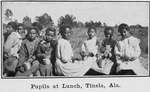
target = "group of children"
x: 31, y: 54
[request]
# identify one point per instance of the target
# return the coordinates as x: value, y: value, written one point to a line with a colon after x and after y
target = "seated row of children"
x: 37, y: 55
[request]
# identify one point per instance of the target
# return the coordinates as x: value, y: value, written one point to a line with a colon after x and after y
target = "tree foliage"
x: 45, y: 20
x: 27, y: 21
x: 67, y: 19
x: 93, y: 24
x: 8, y: 13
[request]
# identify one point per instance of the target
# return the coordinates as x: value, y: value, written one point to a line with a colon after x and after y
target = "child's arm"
x: 102, y: 47
x: 9, y: 43
x: 137, y: 49
x: 40, y: 55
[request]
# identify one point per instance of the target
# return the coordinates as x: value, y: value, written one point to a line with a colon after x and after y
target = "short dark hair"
x: 20, y: 25
x: 63, y: 27
x: 108, y: 28
x: 37, y: 25
x: 92, y: 28
x: 51, y: 29
x: 13, y: 25
x: 29, y: 30
x: 123, y: 26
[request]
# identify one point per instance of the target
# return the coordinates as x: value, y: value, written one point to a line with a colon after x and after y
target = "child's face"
x: 32, y: 34
x: 66, y: 33
x: 20, y: 29
x: 124, y: 33
x: 91, y: 33
x: 9, y: 29
x: 49, y: 36
x: 109, y: 34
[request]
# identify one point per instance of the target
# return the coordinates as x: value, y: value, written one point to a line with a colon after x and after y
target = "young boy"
x: 38, y: 27
x: 28, y: 65
x: 46, y: 53
x: 107, y: 50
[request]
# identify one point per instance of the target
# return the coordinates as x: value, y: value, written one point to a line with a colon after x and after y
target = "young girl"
x: 38, y: 27
x: 44, y: 53
x: 107, y: 50
x: 64, y: 56
x: 11, y: 47
x: 27, y: 64
x: 11, y: 27
x: 128, y: 52
x: 90, y: 47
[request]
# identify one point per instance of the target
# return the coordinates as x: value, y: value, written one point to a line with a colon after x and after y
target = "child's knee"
x: 35, y: 63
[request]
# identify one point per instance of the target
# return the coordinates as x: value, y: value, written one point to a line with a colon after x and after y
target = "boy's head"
x: 124, y: 30
x: 32, y: 33
x: 11, y: 27
x: 108, y: 32
x: 21, y: 30
x: 37, y: 26
x: 65, y: 31
x: 50, y: 34
x: 91, y: 32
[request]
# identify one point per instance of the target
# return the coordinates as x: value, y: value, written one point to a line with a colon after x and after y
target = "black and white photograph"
x: 74, y: 39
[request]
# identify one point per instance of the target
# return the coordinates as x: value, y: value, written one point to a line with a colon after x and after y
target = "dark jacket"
x: 25, y: 53
x: 112, y: 44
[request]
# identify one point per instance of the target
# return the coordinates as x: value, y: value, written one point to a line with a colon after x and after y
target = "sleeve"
x: 38, y: 40
x: 117, y: 49
x: 137, y: 48
x: 83, y: 47
x: 40, y: 55
x: 60, y: 52
x: 9, y: 43
x: 102, y: 46
x: 22, y: 56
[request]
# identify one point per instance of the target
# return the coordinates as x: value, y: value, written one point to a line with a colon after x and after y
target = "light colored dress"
x: 91, y: 46
x: 64, y: 65
x: 130, y: 47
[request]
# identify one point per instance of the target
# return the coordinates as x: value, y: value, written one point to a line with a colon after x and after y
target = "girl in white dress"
x: 64, y: 57
x: 128, y: 52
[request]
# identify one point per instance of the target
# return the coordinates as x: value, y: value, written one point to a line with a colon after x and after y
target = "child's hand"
x: 126, y: 58
x: 48, y: 56
x: 90, y: 54
x: 118, y: 56
x: 21, y: 69
x: 30, y: 60
x: 132, y: 58
x: 83, y: 54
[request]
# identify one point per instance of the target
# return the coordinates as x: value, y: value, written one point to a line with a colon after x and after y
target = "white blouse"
x: 64, y: 51
x: 90, y: 45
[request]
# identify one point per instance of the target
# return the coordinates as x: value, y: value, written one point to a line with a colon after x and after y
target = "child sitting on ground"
x: 107, y: 51
x: 128, y: 52
x: 90, y: 47
x: 27, y: 64
x: 44, y: 53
